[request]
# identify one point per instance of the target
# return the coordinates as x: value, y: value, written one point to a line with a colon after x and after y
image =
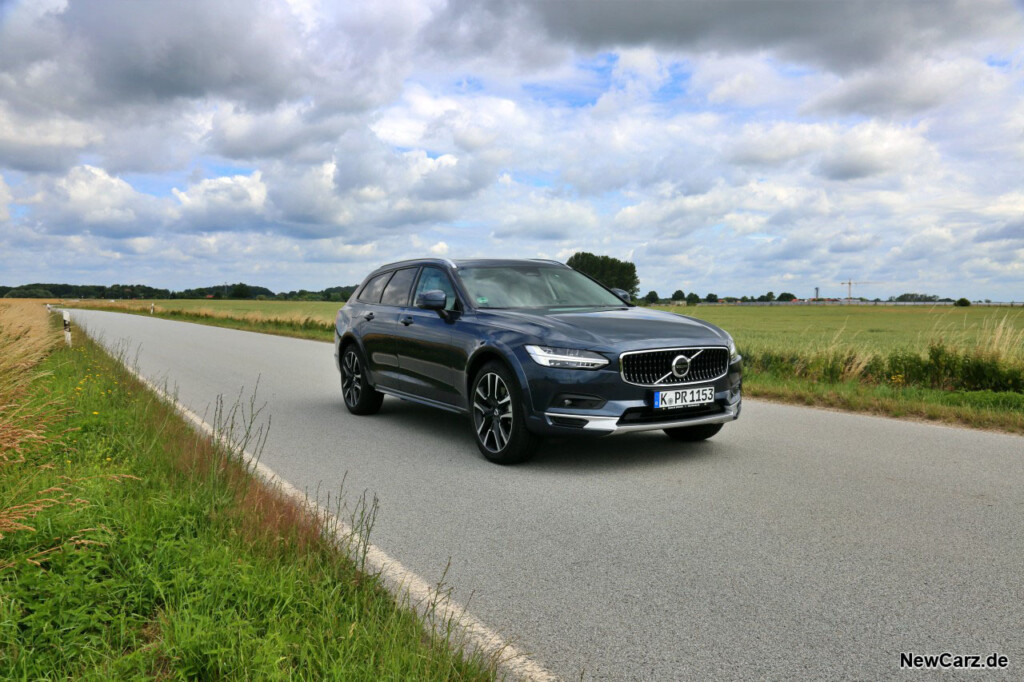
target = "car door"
x: 367, y: 323
x: 380, y: 326
x: 425, y: 354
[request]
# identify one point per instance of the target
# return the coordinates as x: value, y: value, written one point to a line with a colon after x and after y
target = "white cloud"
x: 88, y: 199
x: 42, y: 143
x: 5, y: 200
x: 224, y: 203
x: 873, y: 148
x: 788, y: 144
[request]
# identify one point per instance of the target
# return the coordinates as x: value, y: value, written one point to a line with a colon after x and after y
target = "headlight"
x: 566, y: 358
x: 733, y: 353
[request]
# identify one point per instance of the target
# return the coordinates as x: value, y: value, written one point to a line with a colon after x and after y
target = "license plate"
x: 684, y: 397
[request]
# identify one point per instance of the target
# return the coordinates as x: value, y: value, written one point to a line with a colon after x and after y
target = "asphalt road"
x: 798, y: 543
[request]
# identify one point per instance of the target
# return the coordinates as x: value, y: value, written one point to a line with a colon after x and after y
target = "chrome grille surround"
x: 653, y: 367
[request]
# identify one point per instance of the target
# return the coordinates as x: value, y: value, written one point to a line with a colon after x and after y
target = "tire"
x: 499, y: 417
x: 692, y: 434
x: 359, y: 396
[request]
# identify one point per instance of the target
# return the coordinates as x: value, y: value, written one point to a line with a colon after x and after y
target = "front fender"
x: 497, y: 345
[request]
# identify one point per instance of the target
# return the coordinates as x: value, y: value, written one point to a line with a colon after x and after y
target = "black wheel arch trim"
x: 345, y: 340
x: 503, y: 353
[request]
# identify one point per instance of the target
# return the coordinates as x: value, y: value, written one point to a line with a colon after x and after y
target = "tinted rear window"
x: 397, y: 290
x: 371, y: 292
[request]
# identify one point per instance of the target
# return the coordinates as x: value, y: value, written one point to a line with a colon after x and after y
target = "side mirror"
x: 624, y: 295
x: 435, y: 299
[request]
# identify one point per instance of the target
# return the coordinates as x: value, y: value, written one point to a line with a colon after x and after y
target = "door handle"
x: 368, y: 316
x: 407, y: 320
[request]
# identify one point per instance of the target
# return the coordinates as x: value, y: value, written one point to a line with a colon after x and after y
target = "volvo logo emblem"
x: 680, y: 366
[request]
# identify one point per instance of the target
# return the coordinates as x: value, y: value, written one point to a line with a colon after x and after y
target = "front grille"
x: 654, y: 367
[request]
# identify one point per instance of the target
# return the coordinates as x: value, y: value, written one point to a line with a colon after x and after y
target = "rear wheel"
x: 499, y: 421
x: 360, y: 397
x: 692, y: 434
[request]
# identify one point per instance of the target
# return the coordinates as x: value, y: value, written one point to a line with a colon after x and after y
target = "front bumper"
x: 607, y: 426
x: 627, y: 407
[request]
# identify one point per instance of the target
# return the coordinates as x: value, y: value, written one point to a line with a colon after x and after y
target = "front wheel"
x: 693, y: 434
x: 360, y: 397
x: 499, y: 421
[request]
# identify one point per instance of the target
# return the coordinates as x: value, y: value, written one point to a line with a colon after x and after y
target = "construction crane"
x: 849, y: 287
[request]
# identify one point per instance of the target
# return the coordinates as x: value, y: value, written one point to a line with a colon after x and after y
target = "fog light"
x: 578, y: 402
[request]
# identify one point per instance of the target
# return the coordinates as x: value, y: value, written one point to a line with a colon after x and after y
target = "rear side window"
x: 397, y: 290
x: 371, y: 292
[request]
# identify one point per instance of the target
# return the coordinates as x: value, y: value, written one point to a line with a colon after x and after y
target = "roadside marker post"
x: 67, y: 328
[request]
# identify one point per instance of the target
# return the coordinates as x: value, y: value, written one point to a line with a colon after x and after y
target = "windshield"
x: 533, y: 286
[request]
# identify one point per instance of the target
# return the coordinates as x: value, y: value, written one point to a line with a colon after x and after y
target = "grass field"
x: 957, y: 365
x: 804, y: 328
x: 872, y: 328
x: 132, y: 547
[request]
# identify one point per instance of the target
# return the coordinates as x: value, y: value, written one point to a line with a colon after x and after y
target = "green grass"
x: 300, y: 319
x: 154, y: 554
x: 806, y: 329
x: 961, y: 366
x: 1001, y: 411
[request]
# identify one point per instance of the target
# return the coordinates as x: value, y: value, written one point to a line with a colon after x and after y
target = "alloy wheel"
x: 351, y: 378
x: 492, y: 412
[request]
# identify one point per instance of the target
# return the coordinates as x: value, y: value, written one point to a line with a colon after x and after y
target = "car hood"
x: 610, y: 330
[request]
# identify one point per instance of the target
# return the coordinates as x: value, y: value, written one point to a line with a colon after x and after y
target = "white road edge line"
x: 400, y: 581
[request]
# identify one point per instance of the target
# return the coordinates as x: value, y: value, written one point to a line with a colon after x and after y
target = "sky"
x: 726, y: 146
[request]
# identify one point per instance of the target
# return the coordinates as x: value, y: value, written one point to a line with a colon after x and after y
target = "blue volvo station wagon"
x: 529, y: 349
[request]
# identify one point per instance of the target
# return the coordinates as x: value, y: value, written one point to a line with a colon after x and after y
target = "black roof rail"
x: 447, y: 261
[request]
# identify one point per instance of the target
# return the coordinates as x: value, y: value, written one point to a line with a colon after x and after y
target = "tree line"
x: 609, y: 271
x: 239, y: 290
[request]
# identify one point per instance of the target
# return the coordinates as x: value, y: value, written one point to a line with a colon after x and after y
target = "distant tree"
x: 343, y: 292
x: 786, y: 296
x: 744, y: 299
x: 766, y: 298
x: 651, y: 297
x: 678, y: 295
x: 241, y: 290
x: 962, y: 302
x: 692, y: 299
x: 711, y: 298
x: 29, y: 292
x: 611, y: 272
x: 915, y: 298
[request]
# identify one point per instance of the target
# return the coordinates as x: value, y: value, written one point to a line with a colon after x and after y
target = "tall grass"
x: 986, y: 359
x: 26, y: 338
x: 303, y: 319
x: 180, y: 565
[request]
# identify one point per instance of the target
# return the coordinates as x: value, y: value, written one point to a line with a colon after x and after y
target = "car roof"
x: 471, y: 262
